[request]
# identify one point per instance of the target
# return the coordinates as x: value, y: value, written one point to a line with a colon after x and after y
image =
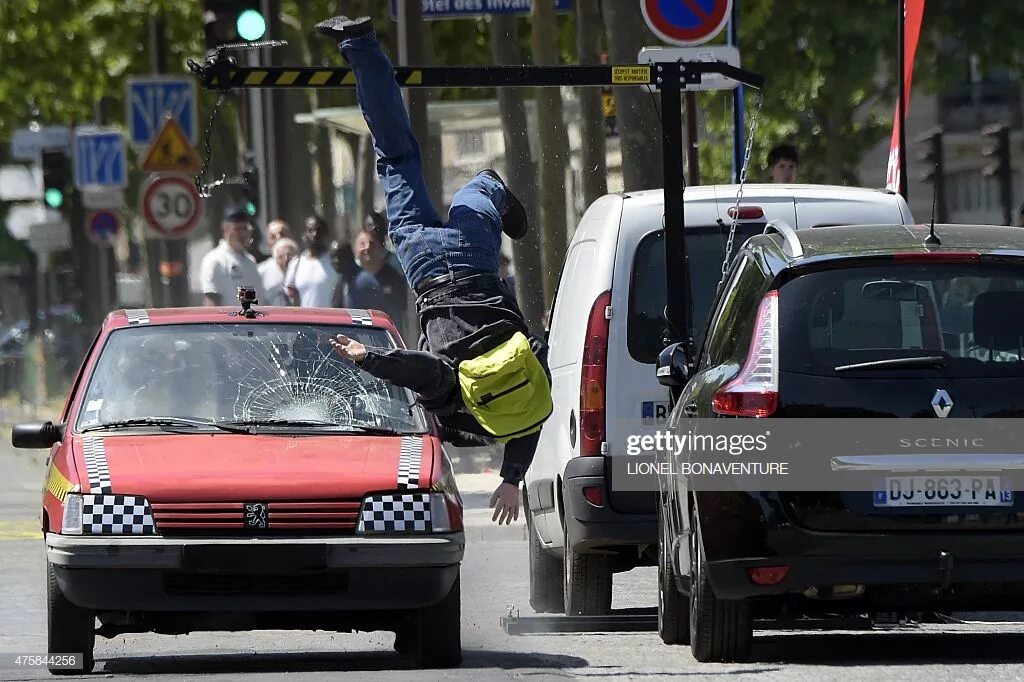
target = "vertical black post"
x: 677, y: 310
x: 902, y: 98
x: 692, y: 153
x: 738, y: 113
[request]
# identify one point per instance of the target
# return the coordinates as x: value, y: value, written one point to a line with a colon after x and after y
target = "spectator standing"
x: 230, y: 265
x: 272, y: 275
x: 311, y: 278
x: 284, y: 252
x: 783, y: 161
x: 377, y: 285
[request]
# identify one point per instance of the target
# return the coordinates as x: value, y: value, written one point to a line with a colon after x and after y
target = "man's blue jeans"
x: 426, y: 245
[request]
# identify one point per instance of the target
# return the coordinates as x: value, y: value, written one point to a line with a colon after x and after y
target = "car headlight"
x: 106, y: 514
x: 398, y: 512
x: 71, y: 522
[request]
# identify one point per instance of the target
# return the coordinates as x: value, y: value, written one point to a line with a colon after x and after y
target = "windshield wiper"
x: 317, y: 424
x: 917, y: 362
x: 175, y: 422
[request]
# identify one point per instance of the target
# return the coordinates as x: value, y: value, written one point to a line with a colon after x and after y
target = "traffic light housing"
x: 56, y: 176
x: 998, y: 150
x: 232, y: 21
x: 251, y: 190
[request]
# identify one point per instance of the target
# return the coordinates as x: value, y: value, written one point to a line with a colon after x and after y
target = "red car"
x: 224, y: 469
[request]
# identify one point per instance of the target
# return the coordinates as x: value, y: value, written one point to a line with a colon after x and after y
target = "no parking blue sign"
x: 104, y: 226
x: 686, y: 22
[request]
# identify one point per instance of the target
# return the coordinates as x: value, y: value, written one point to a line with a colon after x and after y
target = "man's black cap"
x: 235, y: 214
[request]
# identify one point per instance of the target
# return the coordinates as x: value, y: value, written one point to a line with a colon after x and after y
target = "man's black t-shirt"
x: 386, y: 291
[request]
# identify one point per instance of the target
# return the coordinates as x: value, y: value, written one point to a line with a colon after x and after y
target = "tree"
x: 638, y: 119
x: 594, y: 155
x: 520, y: 172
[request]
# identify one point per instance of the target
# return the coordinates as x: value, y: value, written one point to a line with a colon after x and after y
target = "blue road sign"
x: 100, y: 159
x: 104, y: 225
x: 686, y: 22
x: 465, y: 9
x: 152, y: 98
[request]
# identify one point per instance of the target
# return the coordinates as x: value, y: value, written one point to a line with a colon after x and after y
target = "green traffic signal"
x: 54, y: 197
x: 251, y: 25
x: 250, y: 208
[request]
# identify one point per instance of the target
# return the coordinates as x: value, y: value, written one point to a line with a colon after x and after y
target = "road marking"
x: 23, y: 529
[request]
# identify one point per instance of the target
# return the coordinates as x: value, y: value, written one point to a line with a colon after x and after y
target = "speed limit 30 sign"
x: 171, y: 205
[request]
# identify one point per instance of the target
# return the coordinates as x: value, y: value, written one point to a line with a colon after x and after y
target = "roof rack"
x: 788, y: 234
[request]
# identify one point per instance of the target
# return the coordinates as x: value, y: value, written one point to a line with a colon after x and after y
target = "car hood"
x: 236, y: 467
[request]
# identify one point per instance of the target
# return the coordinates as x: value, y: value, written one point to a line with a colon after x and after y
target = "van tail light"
x: 755, y: 391
x: 747, y: 213
x: 593, y: 378
x: 768, y: 575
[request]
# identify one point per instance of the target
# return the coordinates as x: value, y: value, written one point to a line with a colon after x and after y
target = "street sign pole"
x: 738, y: 103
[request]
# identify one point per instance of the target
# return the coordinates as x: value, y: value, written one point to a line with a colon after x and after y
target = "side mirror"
x: 37, y: 434
x: 673, y: 366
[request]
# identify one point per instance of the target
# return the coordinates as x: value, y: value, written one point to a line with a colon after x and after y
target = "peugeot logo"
x: 942, y: 403
x: 255, y: 514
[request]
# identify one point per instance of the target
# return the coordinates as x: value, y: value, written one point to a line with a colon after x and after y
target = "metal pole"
x: 269, y: 170
x: 738, y: 103
x: 677, y: 310
x: 692, y: 154
x: 161, y: 294
x: 902, y: 98
x: 258, y: 135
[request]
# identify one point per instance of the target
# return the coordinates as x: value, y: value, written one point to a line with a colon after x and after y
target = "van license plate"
x: 943, y: 491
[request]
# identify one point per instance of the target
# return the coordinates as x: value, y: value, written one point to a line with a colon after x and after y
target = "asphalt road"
x: 494, y: 574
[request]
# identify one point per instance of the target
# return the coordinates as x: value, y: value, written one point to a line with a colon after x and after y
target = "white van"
x: 605, y: 334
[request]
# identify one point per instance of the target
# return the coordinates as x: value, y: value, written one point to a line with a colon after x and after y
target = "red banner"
x: 912, y: 17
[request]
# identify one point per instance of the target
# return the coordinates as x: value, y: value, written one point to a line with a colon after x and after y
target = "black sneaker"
x: 339, y: 28
x: 513, y: 218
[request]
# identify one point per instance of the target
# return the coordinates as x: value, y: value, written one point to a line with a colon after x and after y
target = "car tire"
x: 720, y: 630
x: 673, y: 607
x: 70, y: 629
x: 439, y: 632
x: 587, y: 583
x: 546, y: 585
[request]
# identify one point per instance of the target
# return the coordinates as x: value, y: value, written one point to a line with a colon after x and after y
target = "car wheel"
x: 69, y: 629
x: 720, y: 630
x: 673, y: 610
x: 439, y: 632
x: 546, y: 594
x: 588, y: 583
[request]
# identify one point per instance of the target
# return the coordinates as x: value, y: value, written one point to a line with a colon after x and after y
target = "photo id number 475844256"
x: 66, y: 661
x: 942, y: 491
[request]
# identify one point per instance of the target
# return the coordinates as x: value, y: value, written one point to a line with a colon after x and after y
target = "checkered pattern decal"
x: 361, y: 317
x: 136, y: 317
x: 410, y: 455
x: 96, y: 465
x: 117, y: 514
x: 395, y: 513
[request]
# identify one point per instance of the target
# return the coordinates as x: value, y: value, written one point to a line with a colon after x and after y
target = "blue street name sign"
x: 151, y: 98
x: 467, y: 9
x: 100, y: 158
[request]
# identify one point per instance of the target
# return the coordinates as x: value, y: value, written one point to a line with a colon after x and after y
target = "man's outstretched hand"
x: 348, y: 348
x: 505, y: 502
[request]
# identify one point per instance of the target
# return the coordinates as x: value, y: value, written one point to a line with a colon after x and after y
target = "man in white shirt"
x: 311, y: 277
x: 284, y: 253
x: 230, y: 266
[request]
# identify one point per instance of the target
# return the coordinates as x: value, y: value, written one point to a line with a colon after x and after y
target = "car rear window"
x: 243, y: 372
x: 705, y: 246
x: 971, y: 315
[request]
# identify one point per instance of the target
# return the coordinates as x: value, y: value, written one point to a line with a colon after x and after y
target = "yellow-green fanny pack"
x: 506, y: 389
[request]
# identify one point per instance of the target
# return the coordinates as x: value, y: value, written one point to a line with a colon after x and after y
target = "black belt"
x: 432, y: 283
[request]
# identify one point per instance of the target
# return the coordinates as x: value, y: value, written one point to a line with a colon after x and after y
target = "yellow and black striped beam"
x: 222, y: 77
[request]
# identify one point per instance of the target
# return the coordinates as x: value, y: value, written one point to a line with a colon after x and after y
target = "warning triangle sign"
x: 171, y: 151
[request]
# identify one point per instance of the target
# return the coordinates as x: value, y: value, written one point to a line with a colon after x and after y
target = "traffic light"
x: 232, y: 21
x: 56, y: 174
x: 251, y: 190
x: 932, y: 155
x: 1001, y: 168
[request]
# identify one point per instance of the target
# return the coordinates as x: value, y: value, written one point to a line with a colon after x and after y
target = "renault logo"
x: 942, y: 403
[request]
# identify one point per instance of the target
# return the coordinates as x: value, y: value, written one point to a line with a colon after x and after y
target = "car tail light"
x: 755, y: 391
x: 938, y: 256
x: 594, y: 377
x: 594, y: 495
x: 768, y: 575
x: 748, y: 213
x: 71, y: 522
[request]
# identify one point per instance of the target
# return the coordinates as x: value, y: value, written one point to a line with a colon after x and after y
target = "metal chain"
x: 739, y: 191
x: 204, y: 189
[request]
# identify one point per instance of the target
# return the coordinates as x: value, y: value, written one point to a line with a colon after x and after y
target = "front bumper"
x: 590, y: 527
x: 266, y: 574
